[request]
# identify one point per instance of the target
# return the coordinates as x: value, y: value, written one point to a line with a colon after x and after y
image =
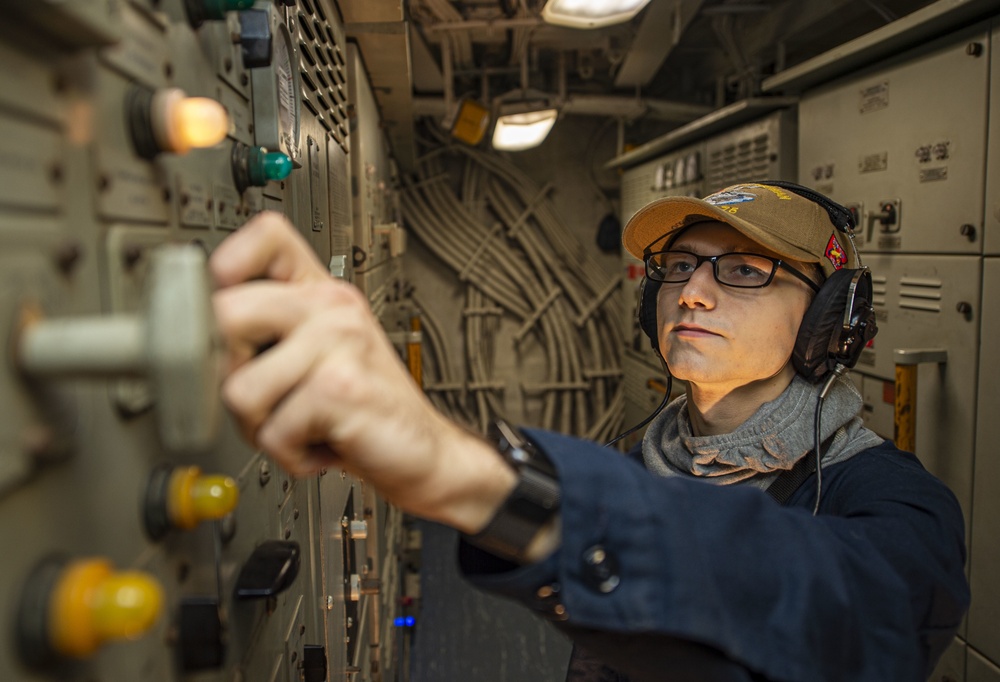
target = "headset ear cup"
x: 647, y: 312
x: 863, y: 324
x: 822, y: 325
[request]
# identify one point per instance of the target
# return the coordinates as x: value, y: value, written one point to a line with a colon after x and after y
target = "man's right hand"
x: 330, y: 390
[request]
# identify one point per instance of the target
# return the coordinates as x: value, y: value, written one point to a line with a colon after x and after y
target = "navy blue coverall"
x: 673, y: 579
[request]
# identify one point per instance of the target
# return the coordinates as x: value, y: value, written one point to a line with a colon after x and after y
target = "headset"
x: 834, y: 331
x: 839, y: 322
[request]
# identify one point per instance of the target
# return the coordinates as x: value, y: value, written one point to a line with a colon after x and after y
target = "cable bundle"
x: 498, y: 231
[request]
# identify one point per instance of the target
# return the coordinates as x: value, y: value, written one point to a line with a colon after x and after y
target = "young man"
x: 655, y: 573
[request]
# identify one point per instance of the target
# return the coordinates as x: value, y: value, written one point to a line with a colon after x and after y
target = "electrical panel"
x: 985, y: 558
x: 136, y: 136
x: 904, y: 144
x: 928, y: 303
x: 379, y: 239
x: 991, y: 226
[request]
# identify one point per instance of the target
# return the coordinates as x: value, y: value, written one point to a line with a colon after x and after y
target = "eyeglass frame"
x: 714, y: 260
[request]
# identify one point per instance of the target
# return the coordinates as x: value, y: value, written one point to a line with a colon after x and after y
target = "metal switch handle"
x: 174, y: 344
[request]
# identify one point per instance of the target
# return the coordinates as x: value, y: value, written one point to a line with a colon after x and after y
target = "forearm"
x: 469, y: 483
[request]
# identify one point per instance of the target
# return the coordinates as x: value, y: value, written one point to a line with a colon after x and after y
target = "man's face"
x: 722, y: 337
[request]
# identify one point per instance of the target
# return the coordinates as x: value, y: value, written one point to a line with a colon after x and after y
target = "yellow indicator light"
x: 181, y: 123
x: 193, y: 498
x: 92, y: 604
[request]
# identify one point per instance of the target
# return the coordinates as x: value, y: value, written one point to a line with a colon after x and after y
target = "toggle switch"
x: 200, y: 11
x: 174, y: 344
x: 70, y: 608
x: 314, y: 668
x: 887, y: 217
x: 270, y: 570
x: 201, y: 641
x: 167, y: 120
x: 255, y: 166
x: 182, y: 497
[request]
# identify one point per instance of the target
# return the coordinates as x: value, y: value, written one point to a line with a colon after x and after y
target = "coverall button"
x: 601, y: 569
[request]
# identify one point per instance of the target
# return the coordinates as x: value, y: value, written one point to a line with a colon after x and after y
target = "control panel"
x: 148, y: 541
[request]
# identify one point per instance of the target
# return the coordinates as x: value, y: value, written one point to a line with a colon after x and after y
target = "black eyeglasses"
x: 741, y: 270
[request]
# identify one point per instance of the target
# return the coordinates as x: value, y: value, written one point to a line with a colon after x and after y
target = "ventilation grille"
x: 740, y: 160
x: 880, y: 287
x: 920, y: 293
x: 322, y: 67
x: 637, y: 184
x: 644, y: 382
x: 678, y: 174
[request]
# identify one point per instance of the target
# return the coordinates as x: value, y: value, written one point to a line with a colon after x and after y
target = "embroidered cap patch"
x: 835, y: 252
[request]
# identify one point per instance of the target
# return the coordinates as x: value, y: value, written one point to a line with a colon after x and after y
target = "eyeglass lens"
x: 732, y: 269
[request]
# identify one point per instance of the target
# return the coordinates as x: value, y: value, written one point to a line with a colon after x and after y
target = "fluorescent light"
x: 515, y: 132
x: 590, y: 13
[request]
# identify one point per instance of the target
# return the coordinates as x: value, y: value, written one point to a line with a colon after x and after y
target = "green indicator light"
x: 277, y: 166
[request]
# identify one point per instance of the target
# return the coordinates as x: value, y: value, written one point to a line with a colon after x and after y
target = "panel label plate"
x: 194, y: 201
x: 874, y: 98
x: 31, y: 166
x: 142, y: 53
x: 873, y: 163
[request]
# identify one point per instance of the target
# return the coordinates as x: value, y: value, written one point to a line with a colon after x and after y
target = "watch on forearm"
x: 529, y: 507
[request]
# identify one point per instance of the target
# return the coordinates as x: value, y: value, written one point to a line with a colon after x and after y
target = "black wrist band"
x: 532, y: 503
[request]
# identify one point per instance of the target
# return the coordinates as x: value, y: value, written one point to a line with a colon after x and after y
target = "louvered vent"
x: 879, y: 289
x: 678, y: 174
x: 739, y: 160
x: 920, y: 293
x: 637, y: 188
x: 322, y: 66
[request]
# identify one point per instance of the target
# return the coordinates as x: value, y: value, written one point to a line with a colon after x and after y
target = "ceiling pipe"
x: 448, y: 69
x: 484, y: 24
x: 597, y: 105
x: 562, y: 76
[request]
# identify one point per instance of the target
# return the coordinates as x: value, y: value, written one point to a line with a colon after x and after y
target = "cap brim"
x: 656, y: 221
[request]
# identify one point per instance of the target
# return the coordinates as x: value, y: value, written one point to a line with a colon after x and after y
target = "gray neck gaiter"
x: 772, y: 440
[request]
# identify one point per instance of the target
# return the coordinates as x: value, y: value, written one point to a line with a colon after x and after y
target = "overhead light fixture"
x: 518, y: 131
x: 590, y: 13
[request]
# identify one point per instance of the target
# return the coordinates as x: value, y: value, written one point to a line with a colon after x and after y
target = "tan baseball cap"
x: 785, y: 222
